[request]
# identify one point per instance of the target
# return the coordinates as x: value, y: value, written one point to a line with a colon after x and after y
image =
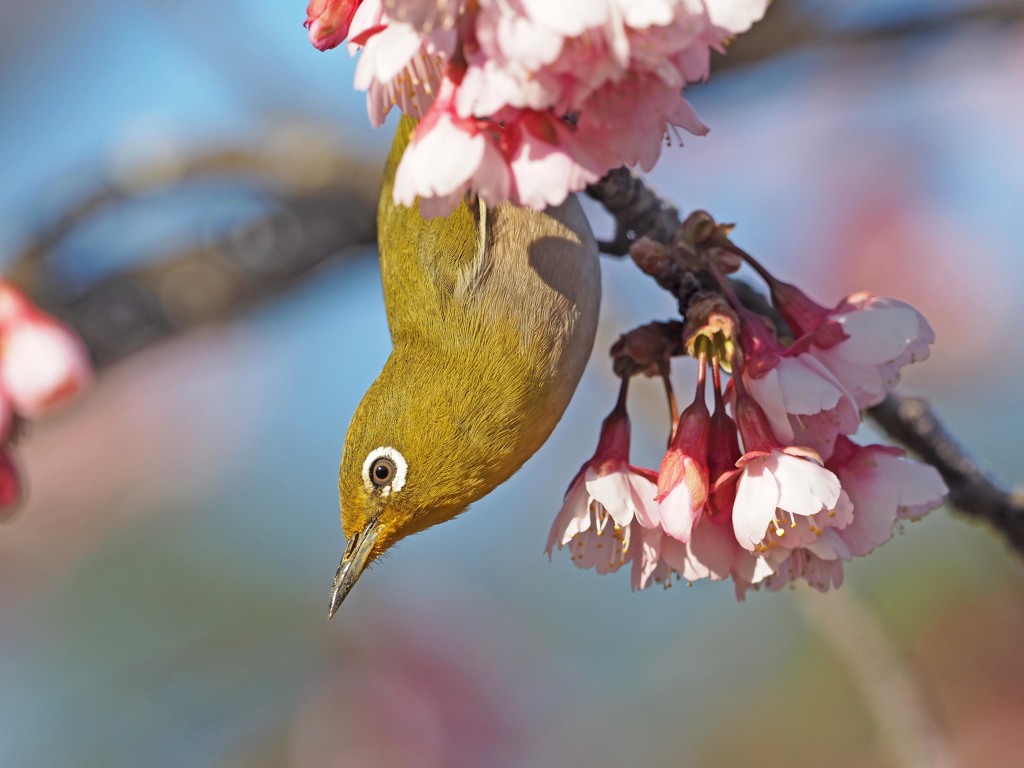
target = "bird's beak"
x: 355, y: 559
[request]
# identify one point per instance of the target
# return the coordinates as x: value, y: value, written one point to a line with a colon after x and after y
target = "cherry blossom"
x: 884, y: 487
x: 864, y: 341
x: 429, y: 163
x: 683, y: 476
x: 568, y: 90
x: 603, y: 501
x: 775, y: 481
x: 796, y: 391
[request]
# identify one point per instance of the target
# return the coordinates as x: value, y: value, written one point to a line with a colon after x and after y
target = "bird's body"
x: 492, y: 314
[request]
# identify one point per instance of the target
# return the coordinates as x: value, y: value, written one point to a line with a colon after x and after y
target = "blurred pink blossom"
x: 42, y: 365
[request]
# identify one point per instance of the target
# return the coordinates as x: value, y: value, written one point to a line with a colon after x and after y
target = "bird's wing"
x: 423, y: 261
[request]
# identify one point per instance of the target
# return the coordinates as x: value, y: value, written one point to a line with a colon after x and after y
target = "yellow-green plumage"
x: 492, y: 314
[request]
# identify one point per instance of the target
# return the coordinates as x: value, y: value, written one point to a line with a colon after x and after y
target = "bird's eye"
x: 384, y: 470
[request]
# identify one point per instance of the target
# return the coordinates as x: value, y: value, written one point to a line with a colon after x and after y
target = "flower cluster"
x: 42, y: 365
x: 528, y: 100
x: 800, y: 496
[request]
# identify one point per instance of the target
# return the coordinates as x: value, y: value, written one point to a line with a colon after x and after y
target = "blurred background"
x: 191, y: 186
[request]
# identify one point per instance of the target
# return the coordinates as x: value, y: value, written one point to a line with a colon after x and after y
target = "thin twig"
x: 311, y: 220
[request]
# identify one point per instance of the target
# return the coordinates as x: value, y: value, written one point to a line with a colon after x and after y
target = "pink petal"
x: 677, y: 513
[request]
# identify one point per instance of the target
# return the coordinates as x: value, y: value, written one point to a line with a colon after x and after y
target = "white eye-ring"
x: 384, y: 470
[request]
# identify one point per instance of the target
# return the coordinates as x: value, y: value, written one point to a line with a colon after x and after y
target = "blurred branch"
x: 893, y: 695
x: 788, y: 27
x: 638, y: 211
x: 321, y: 207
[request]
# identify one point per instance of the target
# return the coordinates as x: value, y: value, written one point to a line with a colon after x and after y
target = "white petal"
x: 757, y: 497
x: 807, y: 386
x: 768, y: 394
x: 642, y: 493
x: 614, y: 492
x: 572, y: 518
x: 805, y: 488
x: 878, y: 334
x: 736, y: 16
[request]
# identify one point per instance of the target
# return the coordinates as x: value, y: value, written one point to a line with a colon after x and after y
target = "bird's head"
x: 408, y: 464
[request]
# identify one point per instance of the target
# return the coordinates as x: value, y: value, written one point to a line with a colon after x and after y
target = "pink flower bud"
x: 683, y: 477
x: 753, y: 425
x: 802, y: 314
x: 723, y: 453
x: 328, y: 21
x: 42, y: 363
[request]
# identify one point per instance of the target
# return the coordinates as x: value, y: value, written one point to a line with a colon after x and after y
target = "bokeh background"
x: 189, y: 183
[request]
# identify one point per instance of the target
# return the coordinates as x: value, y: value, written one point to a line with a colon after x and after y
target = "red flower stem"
x: 727, y: 290
x: 620, y: 403
x: 702, y: 366
x: 754, y: 263
x: 716, y: 372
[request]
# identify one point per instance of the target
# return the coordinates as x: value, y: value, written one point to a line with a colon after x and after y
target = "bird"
x: 492, y: 312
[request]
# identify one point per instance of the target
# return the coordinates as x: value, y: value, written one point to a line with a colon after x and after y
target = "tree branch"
x: 638, y: 212
x: 789, y: 27
x: 312, y: 218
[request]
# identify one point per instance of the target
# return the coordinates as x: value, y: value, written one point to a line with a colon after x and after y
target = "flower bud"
x: 683, y: 476
x: 710, y: 317
x: 647, y: 348
x: 328, y: 21
x: 723, y: 453
x: 653, y: 259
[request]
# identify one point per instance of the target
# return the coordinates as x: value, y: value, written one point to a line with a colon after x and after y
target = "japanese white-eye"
x: 492, y: 312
